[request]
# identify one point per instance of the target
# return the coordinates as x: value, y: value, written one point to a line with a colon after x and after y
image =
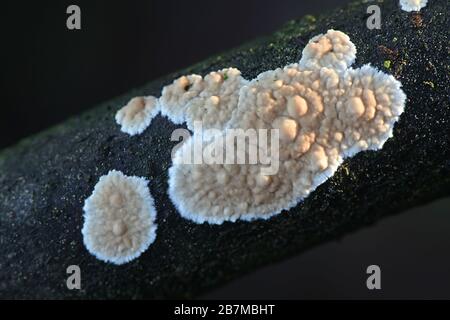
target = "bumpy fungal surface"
x: 137, y: 115
x: 412, y: 5
x: 332, y: 50
x: 119, y: 218
x: 210, y: 100
x: 324, y: 111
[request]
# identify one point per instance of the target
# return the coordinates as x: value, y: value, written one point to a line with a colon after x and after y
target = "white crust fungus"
x: 210, y: 100
x: 325, y: 111
x: 119, y: 218
x: 137, y: 115
x: 412, y: 5
x: 176, y: 96
x: 332, y: 50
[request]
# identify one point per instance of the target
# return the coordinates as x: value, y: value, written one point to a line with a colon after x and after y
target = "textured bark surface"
x: 45, y: 179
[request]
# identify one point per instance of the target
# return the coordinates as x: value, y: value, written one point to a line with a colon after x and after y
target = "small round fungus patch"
x: 412, y: 5
x: 137, y: 115
x: 119, y: 218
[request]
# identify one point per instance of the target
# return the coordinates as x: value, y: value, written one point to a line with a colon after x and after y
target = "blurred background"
x: 50, y: 73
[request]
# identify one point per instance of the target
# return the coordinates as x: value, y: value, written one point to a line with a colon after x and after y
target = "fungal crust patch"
x: 324, y: 110
x: 137, y: 115
x: 119, y: 218
x: 210, y: 100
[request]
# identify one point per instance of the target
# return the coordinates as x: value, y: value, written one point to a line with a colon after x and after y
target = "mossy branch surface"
x: 45, y: 179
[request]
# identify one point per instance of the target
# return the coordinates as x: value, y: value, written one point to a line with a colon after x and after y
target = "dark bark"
x: 45, y: 179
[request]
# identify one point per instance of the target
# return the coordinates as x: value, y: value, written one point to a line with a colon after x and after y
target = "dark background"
x: 50, y: 73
